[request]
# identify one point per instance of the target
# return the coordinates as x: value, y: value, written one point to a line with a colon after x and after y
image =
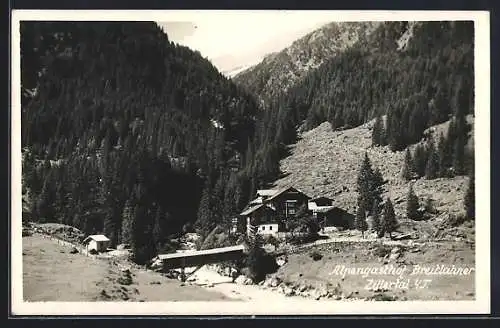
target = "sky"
x: 231, y: 41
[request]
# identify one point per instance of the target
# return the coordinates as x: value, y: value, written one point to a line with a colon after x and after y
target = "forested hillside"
x: 127, y: 133
x: 280, y: 71
x: 418, y: 74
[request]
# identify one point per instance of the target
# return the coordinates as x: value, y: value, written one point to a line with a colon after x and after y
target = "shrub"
x: 217, y: 238
x: 166, y: 248
x: 269, y: 239
x: 302, y: 238
x: 259, y: 263
x: 429, y: 206
x: 454, y: 220
x: 188, y: 227
x: 126, y: 279
x: 412, y: 211
x: 381, y: 250
x: 26, y: 232
x: 315, y: 255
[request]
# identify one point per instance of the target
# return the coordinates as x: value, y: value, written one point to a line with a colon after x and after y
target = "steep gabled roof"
x: 258, y: 200
x: 251, y: 209
x: 267, y: 192
x: 284, y: 189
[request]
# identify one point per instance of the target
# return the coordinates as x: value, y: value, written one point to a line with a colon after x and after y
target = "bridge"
x: 200, y: 258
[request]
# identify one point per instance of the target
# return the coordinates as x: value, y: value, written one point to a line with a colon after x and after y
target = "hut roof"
x: 96, y: 238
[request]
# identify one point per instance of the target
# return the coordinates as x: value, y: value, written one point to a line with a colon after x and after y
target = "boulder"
x: 302, y: 288
x: 275, y: 282
x: 395, y: 250
x: 280, y: 261
x: 122, y: 247
x: 125, y: 271
x: 394, y: 256
x: 243, y: 280
x: 73, y: 250
x: 319, y: 293
x: 288, y: 291
x: 403, y: 236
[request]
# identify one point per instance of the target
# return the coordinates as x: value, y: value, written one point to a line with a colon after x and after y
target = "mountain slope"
x: 417, y: 74
x: 279, y: 71
x: 116, y: 120
x: 326, y: 163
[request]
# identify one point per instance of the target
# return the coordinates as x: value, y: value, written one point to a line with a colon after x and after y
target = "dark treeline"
x: 129, y: 134
x: 416, y: 86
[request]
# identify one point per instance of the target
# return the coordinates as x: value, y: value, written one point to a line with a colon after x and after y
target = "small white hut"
x: 99, y: 243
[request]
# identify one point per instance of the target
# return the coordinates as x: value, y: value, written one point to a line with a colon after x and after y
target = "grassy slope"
x: 302, y: 270
x: 51, y: 273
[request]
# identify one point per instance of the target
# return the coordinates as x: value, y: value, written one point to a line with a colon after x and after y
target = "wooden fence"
x: 81, y: 249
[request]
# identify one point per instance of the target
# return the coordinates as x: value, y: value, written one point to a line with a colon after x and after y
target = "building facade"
x: 99, y: 243
x: 270, y: 210
x: 267, y: 214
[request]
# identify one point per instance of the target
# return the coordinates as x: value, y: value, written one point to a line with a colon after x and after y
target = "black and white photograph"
x: 232, y: 162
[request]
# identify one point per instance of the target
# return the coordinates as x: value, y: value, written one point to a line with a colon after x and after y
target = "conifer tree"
x: 205, y: 222
x: 389, y: 221
x: 412, y: 204
x: 158, y: 233
x: 369, y: 183
x: 459, y: 148
x: 378, y: 181
x: 407, y: 173
x: 378, y: 132
x: 444, y: 157
x: 451, y: 136
x: 364, y: 182
x: 469, y: 200
x: 432, y: 165
x: 360, y: 221
x: 440, y: 108
x: 376, y: 224
x: 420, y: 160
x: 127, y: 223
x: 461, y: 103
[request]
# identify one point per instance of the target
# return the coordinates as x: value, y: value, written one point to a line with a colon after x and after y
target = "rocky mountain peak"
x: 279, y: 71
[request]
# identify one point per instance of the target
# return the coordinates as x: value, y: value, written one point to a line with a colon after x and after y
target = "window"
x: 270, y: 227
x: 263, y: 228
x: 290, y: 207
